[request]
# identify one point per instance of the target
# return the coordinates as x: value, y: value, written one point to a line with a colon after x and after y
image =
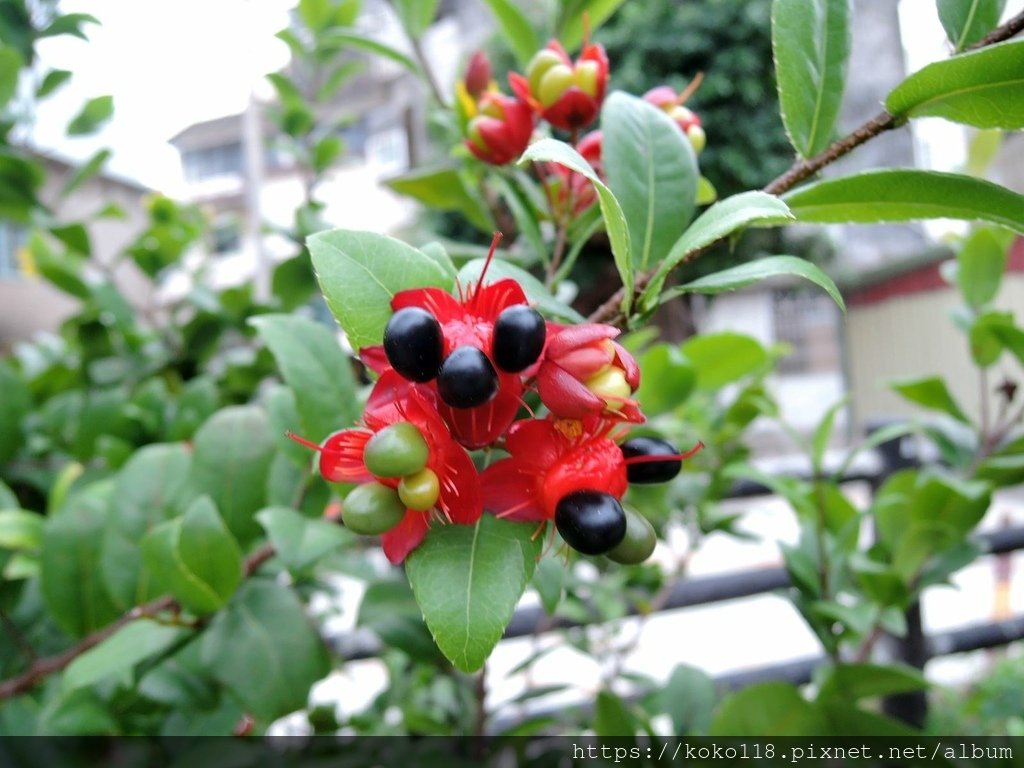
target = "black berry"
x: 467, y: 378
x: 590, y: 522
x: 414, y: 344
x: 651, y: 471
x: 519, y: 334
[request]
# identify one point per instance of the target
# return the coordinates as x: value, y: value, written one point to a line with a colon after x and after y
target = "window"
x: 808, y: 322
x: 226, y: 236
x: 210, y: 162
x: 12, y: 238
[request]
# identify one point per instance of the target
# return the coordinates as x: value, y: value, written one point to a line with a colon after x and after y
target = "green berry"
x: 371, y: 509
x: 639, y: 541
x: 697, y: 138
x: 420, y: 490
x: 556, y: 81
x: 541, y: 62
x: 396, y: 451
x: 586, y: 77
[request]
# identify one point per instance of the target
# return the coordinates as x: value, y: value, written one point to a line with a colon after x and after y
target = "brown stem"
x: 609, y: 311
x: 42, y: 668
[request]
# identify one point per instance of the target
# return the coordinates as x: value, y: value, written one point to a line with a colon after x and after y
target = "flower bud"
x: 501, y: 130
x: 478, y: 74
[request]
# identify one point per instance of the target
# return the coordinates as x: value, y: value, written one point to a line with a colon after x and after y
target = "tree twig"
x: 42, y: 668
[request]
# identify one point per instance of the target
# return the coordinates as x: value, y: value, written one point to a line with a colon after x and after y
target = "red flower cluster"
x: 567, y: 94
x: 454, y: 371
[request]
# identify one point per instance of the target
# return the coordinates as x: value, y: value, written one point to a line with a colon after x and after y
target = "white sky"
x: 168, y: 64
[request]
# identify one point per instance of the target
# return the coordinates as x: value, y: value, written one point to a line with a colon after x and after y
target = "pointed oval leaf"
x: 231, y: 456
x: 652, y: 170
x: 21, y: 529
x: 932, y: 393
x: 759, y: 269
x: 71, y: 581
x: 300, y: 541
x: 516, y: 29
x: 359, y: 273
x: 195, y: 558
x: 981, y: 262
x: 444, y: 188
x: 968, y: 21
x: 315, y: 367
x: 550, y: 150
x: 264, y: 650
x: 982, y: 88
x: 906, y: 195
x: 467, y: 581
x: 119, y: 653
x: 150, y: 489
x: 811, y: 43
x: 720, y: 220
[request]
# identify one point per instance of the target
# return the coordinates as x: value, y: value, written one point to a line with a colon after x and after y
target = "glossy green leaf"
x: 981, y: 262
x: 767, y: 710
x: 151, y: 488
x: 467, y: 581
x: 359, y: 273
x: 444, y: 188
x: 968, y: 21
x: 612, y: 717
x: 823, y: 434
x: 811, y: 44
x: 721, y: 358
x: 706, y: 192
x: 93, y: 114
x: 195, y: 558
x: 754, y: 271
x: 20, y: 529
x: 550, y: 150
x: 668, y: 379
x: 533, y: 288
x: 15, y: 402
x: 981, y: 88
x: 119, y: 653
x: 720, y: 220
x: 416, y: 15
x: 688, y: 698
x: 906, y: 195
x: 313, y: 364
x: 930, y: 392
x: 7, y: 498
x: 588, y: 14
x: 516, y: 29
x: 196, y: 403
x: 342, y: 40
x: 71, y: 580
x: 10, y: 70
x: 53, y: 80
x: 264, y: 650
x: 231, y: 455
x: 547, y: 580
x: 86, y: 171
x: 300, y: 541
x: 69, y: 24
x: 652, y: 170
x: 389, y: 609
